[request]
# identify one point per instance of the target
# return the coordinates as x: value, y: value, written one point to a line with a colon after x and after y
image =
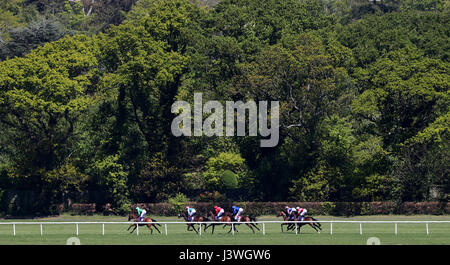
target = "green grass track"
x: 343, y: 233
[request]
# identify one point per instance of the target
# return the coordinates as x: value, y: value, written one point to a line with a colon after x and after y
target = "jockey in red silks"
x: 301, y: 213
x: 219, y: 212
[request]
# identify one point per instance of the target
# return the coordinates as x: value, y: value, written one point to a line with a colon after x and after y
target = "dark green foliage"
x: 23, y: 40
x: 229, y: 179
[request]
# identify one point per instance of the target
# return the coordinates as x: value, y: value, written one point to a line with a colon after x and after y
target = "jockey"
x: 191, y: 212
x: 237, y: 213
x: 219, y: 212
x: 290, y: 212
x: 141, y: 214
x: 301, y: 213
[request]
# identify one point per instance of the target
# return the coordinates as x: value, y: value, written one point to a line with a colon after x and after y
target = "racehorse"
x: 249, y: 221
x: 311, y: 221
x: 196, y: 219
x: 290, y: 226
x: 224, y: 219
x: 148, y: 220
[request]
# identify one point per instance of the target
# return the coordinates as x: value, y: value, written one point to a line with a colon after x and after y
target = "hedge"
x: 272, y: 208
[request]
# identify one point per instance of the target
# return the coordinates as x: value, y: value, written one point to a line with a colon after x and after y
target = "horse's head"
x: 281, y: 213
x: 131, y: 216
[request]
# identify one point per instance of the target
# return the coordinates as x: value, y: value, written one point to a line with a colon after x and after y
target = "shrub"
x: 256, y: 209
x: 178, y: 202
x: 211, y: 197
x: 328, y: 208
x: 229, y: 179
x: 83, y: 209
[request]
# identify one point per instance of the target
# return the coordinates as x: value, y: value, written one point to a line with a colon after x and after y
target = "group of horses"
x: 225, y: 220
x: 306, y: 220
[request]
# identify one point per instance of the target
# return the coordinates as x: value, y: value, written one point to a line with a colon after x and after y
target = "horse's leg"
x: 255, y: 226
x: 193, y: 227
x: 317, y: 224
x: 251, y: 228
x: 133, y: 229
x: 157, y: 229
x: 313, y: 226
x: 290, y: 226
x: 129, y: 227
x: 149, y: 226
x: 233, y: 227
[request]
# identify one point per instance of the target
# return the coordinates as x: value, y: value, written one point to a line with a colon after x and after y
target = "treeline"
x: 257, y: 209
x: 86, y: 89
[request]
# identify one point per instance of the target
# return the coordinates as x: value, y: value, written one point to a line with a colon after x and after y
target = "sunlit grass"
x: 343, y: 233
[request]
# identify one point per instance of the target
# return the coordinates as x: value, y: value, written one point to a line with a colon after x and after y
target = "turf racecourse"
x: 343, y: 233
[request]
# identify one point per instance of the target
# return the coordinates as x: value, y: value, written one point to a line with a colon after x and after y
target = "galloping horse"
x: 134, y: 217
x: 224, y: 219
x: 249, y: 221
x: 196, y: 219
x: 312, y: 222
x: 290, y: 226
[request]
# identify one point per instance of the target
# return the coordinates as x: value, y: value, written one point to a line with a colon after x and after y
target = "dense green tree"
x: 24, y: 39
x: 41, y: 97
x: 405, y: 92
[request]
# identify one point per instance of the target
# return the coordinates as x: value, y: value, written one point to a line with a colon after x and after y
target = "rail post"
x: 103, y: 229
x: 200, y: 228
x: 331, y: 227
x: 396, y: 228
x: 165, y: 228
x: 264, y: 228
x: 41, y: 229
x: 427, y: 228
x: 137, y: 229
x: 14, y: 229
x: 360, y: 228
x: 232, y: 228
x: 77, y: 228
